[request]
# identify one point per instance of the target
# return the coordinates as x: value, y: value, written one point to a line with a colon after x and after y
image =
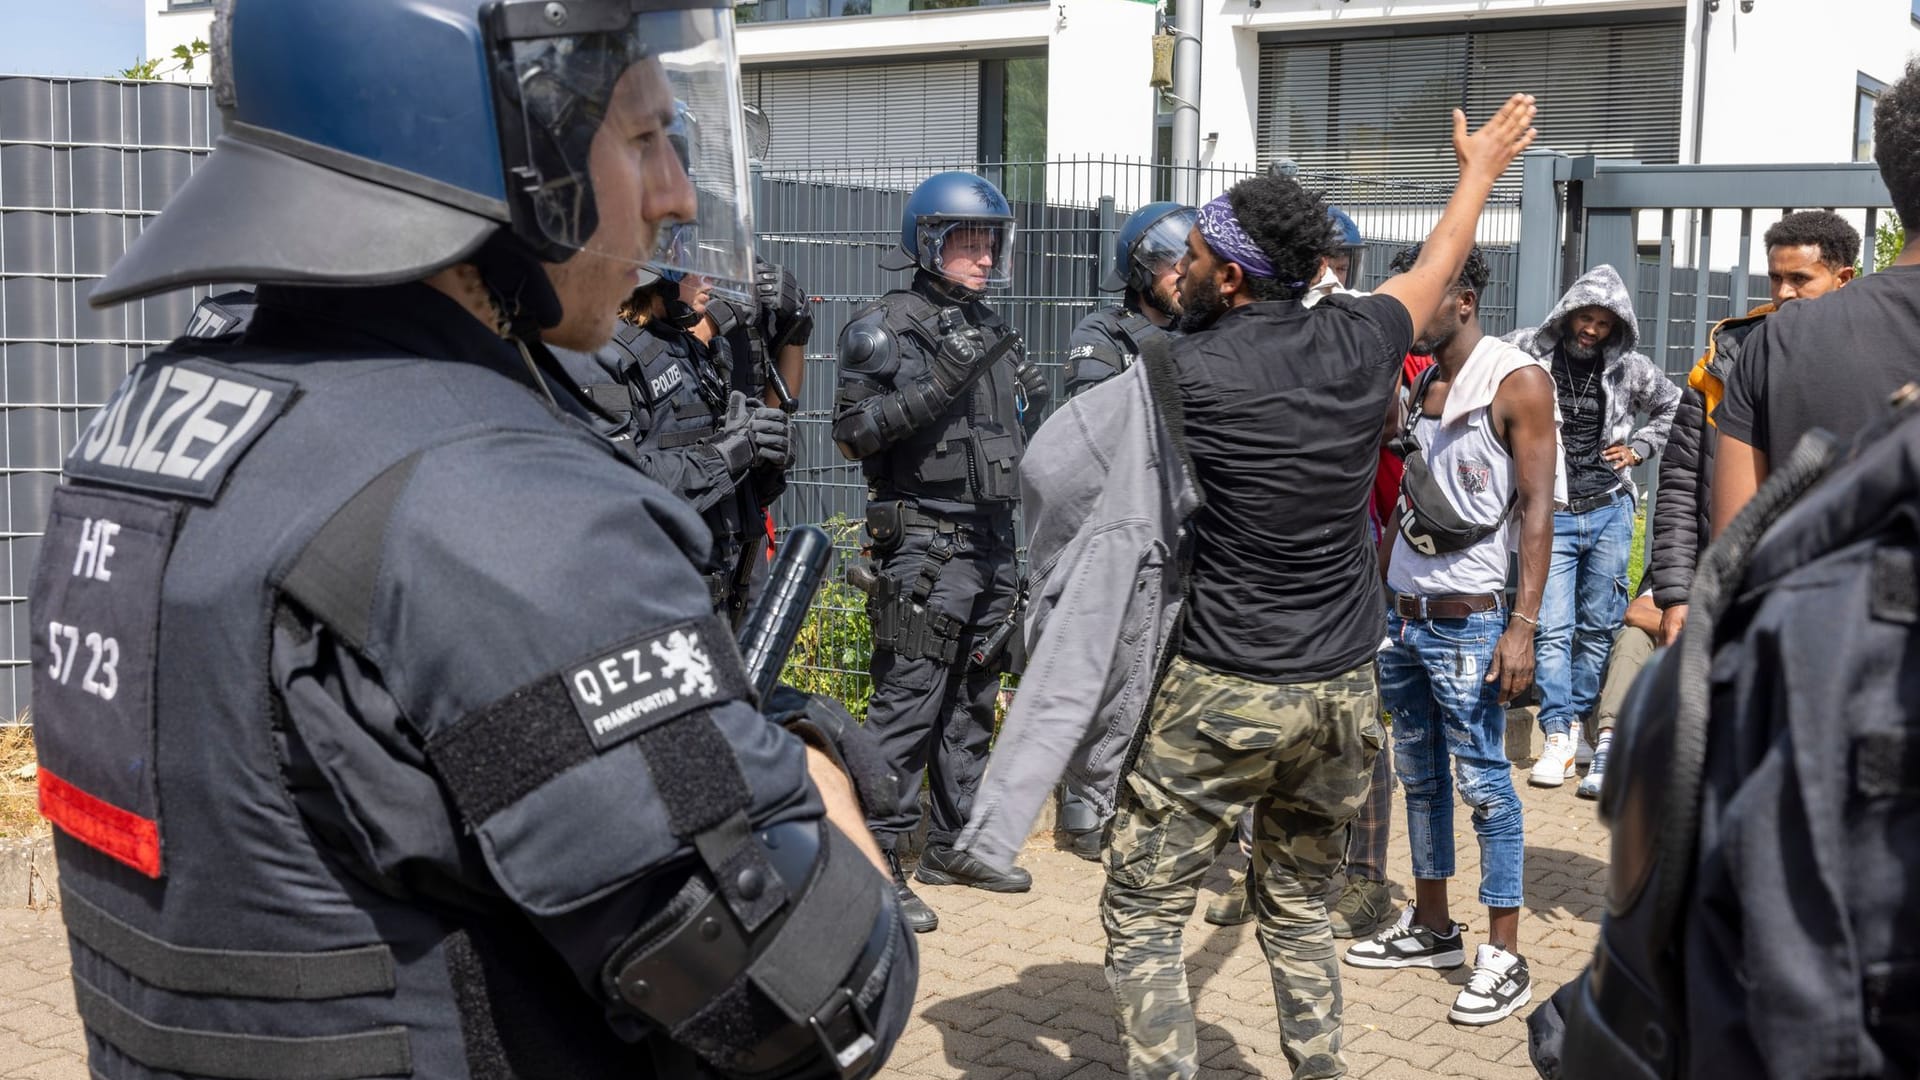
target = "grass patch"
x: 19, y: 802
x: 1637, y: 561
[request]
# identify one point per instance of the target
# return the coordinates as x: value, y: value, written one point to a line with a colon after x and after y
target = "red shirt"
x: 1386, y: 478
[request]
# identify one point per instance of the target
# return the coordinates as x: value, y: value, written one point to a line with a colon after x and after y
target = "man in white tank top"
x: 1486, y: 426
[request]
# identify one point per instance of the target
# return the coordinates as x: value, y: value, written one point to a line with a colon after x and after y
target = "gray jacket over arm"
x: 1108, y: 493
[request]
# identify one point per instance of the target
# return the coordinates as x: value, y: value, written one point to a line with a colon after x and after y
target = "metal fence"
x: 83, y: 164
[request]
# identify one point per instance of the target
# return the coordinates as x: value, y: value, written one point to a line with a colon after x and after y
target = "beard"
x: 1200, y: 306
x: 1163, y: 297
x: 1429, y: 345
x: 1581, y: 352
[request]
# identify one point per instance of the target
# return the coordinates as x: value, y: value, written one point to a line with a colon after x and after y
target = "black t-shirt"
x: 1829, y: 363
x: 1284, y: 409
x: 1580, y: 385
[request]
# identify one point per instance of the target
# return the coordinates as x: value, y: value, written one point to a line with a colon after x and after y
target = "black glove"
x: 772, y: 433
x: 753, y: 435
x: 961, y: 348
x: 1033, y: 383
x: 823, y: 724
x: 781, y: 301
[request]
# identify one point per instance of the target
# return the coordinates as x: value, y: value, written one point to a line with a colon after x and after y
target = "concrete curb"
x: 28, y: 874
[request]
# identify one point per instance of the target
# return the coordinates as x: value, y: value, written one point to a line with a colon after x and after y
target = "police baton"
x: 776, y: 618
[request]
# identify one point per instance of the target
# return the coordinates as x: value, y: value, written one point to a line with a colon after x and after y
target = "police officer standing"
x: 1146, y: 252
x: 934, y: 401
x: 381, y: 712
x: 668, y: 383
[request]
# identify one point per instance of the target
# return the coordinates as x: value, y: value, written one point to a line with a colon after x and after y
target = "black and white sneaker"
x: 1408, y: 944
x: 1499, y: 985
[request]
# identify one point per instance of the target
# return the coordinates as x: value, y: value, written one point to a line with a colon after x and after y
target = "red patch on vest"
x: 99, y: 824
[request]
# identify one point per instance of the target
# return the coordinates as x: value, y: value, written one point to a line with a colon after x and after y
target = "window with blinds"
x: 869, y: 113
x: 1381, y: 107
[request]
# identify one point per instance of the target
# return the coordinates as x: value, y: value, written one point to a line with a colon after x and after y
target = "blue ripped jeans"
x: 1433, y: 681
x: 1581, y: 610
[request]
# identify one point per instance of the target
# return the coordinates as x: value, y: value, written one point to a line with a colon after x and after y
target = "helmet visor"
x: 632, y: 135
x: 1163, y: 243
x: 972, y: 252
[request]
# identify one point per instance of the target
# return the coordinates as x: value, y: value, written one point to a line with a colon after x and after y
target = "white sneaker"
x: 1500, y: 984
x: 1555, y: 766
x: 1582, y: 749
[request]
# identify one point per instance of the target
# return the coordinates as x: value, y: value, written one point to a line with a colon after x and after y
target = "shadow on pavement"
x: 1066, y: 1004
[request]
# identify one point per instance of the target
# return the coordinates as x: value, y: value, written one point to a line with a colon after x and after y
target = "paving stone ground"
x: 1011, y: 986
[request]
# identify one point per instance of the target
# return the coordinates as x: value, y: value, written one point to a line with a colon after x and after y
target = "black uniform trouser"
x: 937, y: 715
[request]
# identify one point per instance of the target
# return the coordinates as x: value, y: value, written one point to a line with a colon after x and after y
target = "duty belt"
x: 915, y: 520
x: 1444, y: 605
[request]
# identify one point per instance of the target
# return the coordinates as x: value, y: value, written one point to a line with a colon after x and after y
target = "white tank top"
x: 1474, y: 470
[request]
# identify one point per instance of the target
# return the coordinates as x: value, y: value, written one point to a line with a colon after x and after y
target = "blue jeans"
x: 1433, y: 681
x: 1585, y: 600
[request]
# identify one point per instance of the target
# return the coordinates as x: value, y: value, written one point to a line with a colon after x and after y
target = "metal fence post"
x: 1108, y: 219
x: 1539, y: 260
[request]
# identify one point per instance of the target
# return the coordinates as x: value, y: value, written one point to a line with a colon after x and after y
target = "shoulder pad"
x: 866, y: 345
x: 728, y: 315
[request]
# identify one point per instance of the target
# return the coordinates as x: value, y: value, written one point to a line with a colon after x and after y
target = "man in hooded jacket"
x: 1602, y: 382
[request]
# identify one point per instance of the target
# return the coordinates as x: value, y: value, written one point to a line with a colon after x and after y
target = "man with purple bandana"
x: 1271, y: 702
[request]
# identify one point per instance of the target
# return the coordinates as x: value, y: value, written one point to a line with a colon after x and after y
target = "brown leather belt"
x: 1444, y: 605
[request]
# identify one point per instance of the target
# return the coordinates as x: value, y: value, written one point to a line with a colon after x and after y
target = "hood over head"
x: 1600, y: 286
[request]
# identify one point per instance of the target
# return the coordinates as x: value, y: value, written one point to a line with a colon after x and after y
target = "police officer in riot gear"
x: 1350, y: 249
x: 668, y: 387
x: 934, y: 401
x: 1145, y: 254
x: 381, y: 711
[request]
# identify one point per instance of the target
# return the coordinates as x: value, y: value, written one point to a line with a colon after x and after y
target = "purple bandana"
x: 1223, y: 234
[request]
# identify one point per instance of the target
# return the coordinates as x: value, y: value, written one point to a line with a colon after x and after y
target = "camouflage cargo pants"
x: 1301, y: 756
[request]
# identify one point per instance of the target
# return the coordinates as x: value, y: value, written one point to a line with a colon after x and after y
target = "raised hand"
x: 1486, y: 153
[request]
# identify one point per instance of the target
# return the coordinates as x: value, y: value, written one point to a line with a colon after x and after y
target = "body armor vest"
x: 971, y: 452
x: 165, y: 747
x: 679, y: 387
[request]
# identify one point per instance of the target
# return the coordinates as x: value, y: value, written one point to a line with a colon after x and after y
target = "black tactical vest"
x: 969, y: 454
x: 215, y: 930
x: 679, y: 387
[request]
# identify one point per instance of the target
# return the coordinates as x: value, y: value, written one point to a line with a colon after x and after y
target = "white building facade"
x: 1360, y: 87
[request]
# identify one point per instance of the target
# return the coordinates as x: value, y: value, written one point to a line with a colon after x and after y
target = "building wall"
x: 1780, y: 85
x: 166, y: 29
x: 1229, y: 89
x: 1099, y: 56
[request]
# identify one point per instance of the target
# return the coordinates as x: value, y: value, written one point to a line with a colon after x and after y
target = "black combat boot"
x: 920, y: 918
x: 945, y: 866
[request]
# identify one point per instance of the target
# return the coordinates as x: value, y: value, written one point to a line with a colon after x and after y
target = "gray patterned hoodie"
x: 1631, y: 382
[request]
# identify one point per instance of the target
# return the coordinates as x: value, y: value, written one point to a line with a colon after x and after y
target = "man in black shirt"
x: 1589, y: 341
x: 1830, y: 365
x: 1272, y: 703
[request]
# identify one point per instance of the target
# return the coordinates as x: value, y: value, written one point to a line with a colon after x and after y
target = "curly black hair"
x: 1896, y: 142
x: 1473, y: 275
x: 1839, y: 242
x: 1292, y: 228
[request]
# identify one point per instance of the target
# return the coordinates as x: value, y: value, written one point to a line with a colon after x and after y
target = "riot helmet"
x: 1349, y: 249
x: 371, y: 143
x: 1151, y: 240
x: 948, y: 210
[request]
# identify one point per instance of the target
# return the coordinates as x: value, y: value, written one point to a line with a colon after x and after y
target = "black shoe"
x: 919, y: 917
x: 945, y: 866
x: 1086, y: 844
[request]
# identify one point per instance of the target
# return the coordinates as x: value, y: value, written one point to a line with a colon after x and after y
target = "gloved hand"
x: 772, y: 432
x: 961, y: 348
x: 752, y: 435
x: 778, y: 293
x: 1033, y: 383
x: 825, y: 725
